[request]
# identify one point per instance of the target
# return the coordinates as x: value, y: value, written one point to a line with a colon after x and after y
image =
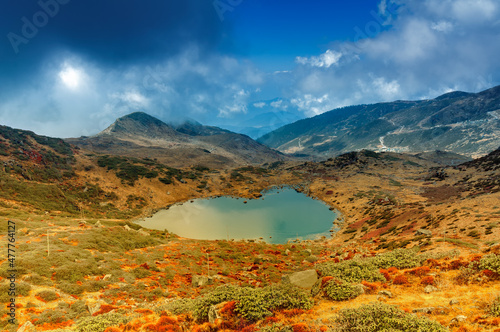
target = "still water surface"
x: 280, y: 215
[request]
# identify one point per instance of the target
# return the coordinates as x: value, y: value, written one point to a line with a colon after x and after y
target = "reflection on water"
x: 276, y: 218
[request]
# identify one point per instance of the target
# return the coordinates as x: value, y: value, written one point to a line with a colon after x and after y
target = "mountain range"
x: 189, y: 143
x: 459, y: 122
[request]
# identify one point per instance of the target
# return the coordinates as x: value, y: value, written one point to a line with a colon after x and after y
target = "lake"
x: 280, y: 215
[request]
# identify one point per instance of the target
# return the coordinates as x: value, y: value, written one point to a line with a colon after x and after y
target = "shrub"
x: 383, y: 317
x: 494, y: 309
x: 100, y: 323
x: 47, y: 295
x: 400, y: 279
x: 253, y: 304
x: 429, y: 280
x: 178, y: 307
x: 339, y: 290
x: 399, y: 258
x: 490, y: 262
x: 355, y: 270
x: 420, y: 271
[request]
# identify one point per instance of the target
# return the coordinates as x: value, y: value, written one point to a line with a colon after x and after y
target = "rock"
x: 107, y: 277
x: 360, y: 289
x: 454, y: 301
x: 304, y: 279
x: 386, y: 293
x: 309, y: 251
x: 27, y: 327
x: 427, y: 310
x: 200, y: 281
x: 287, y: 252
x: 143, y: 232
x: 458, y: 319
x: 214, y: 313
x: 98, y: 224
x: 430, y: 289
x: 128, y: 228
x: 94, y: 307
x: 423, y: 232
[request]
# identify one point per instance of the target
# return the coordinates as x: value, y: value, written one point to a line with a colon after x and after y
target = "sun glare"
x: 71, y: 77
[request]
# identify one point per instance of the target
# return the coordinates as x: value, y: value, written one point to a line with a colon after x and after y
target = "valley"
x: 413, y: 233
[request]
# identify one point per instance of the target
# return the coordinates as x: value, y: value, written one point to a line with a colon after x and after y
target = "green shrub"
x: 494, y: 309
x: 72, y: 289
x: 47, y: 295
x: 355, y: 270
x: 140, y: 272
x: 51, y: 316
x: 339, y: 290
x: 254, y: 304
x: 399, y: 258
x: 490, y: 262
x: 178, y: 307
x: 383, y: 317
x: 101, y: 322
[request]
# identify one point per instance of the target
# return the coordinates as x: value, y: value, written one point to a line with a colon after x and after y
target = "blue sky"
x: 71, y: 67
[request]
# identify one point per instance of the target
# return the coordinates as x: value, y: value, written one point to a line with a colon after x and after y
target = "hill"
x: 141, y: 135
x: 459, y: 122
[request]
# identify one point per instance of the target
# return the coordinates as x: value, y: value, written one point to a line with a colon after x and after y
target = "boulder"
x: 458, y: 319
x: 94, y: 307
x: 304, y: 279
x: 454, y: 301
x: 386, y: 293
x: 143, y: 232
x: 430, y: 289
x: 423, y: 310
x: 200, y: 281
x: 423, y: 232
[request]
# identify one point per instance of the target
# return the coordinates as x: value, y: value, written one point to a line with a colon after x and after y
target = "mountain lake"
x: 280, y: 215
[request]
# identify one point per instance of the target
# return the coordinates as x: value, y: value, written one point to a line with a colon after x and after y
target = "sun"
x: 71, y: 77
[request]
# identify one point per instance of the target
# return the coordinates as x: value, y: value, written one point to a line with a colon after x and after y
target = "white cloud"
x: 430, y: 47
x: 442, y: 26
x: 312, y: 105
x: 326, y: 60
x: 259, y: 105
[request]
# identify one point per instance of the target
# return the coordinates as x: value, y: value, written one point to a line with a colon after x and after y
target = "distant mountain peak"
x: 140, y: 124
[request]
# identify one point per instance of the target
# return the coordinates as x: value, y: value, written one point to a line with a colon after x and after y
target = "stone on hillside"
x: 309, y: 251
x: 430, y: 289
x: 94, y: 307
x: 98, y: 224
x: 27, y: 327
x: 304, y: 279
x: 128, y: 228
x: 287, y: 252
x: 454, y: 301
x: 423, y: 232
x: 215, y: 312
x: 423, y: 310
x: 200, y: 281
x: 459, y: 319
x: 107, y: 277
x: 386, y: 293
x: 143, y: 232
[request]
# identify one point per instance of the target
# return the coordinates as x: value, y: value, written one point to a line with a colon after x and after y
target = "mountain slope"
x: 190, y: 143
x: 459, y: 122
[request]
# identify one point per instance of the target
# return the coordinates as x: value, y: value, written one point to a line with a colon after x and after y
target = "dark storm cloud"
x: 109, y: 32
